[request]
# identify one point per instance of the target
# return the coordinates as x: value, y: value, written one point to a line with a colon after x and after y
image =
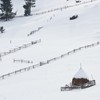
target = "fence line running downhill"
x: 64, y: 7
x: 48, y: 61
x: 19, y: 48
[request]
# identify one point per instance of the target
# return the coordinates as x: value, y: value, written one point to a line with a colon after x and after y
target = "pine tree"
x: 6, y: 9
x: 27, y: 6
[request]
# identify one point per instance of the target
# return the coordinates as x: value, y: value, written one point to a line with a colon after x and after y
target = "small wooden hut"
x: 80, y: 78
x: 79, y: 81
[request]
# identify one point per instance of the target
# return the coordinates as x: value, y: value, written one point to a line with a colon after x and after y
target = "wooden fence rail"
x: 48, y: 61
x: 64, y: 7
x: 22, y: 61
x: 19, y: 48
x: 34, y: 31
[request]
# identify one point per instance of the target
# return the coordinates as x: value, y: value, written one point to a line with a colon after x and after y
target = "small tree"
x: 2, y: 29
x: 6, y: 9
x: 27, y: 6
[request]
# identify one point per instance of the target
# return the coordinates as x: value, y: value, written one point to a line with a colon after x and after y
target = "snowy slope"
x: 45, y: 4
x: 58, y: 36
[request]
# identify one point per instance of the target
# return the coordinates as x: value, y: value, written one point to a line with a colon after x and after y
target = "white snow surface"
x: 81, y: 74
x: 59, y: 35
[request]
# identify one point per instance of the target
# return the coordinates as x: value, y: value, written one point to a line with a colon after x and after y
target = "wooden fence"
x: 34, y: 31
x: 64, y: 7
x: 48, y: 61
x: 19, y: 48
x: 22, y: 61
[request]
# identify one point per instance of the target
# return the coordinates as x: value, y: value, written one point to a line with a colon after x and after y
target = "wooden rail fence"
x: 34, y: 31
x: 19, y: 48
x: 48, y: 61
x: 23, y: 61
x: 64, y: 7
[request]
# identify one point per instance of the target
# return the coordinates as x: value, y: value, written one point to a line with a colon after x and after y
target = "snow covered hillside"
x: 57, y: 35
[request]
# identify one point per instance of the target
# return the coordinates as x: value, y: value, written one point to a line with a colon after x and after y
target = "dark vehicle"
x: 73, y: 17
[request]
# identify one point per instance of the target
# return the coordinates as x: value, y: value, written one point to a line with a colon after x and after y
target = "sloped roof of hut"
x: 81, y: 74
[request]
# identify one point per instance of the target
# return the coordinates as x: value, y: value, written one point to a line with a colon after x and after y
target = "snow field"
x: 58, y: 36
